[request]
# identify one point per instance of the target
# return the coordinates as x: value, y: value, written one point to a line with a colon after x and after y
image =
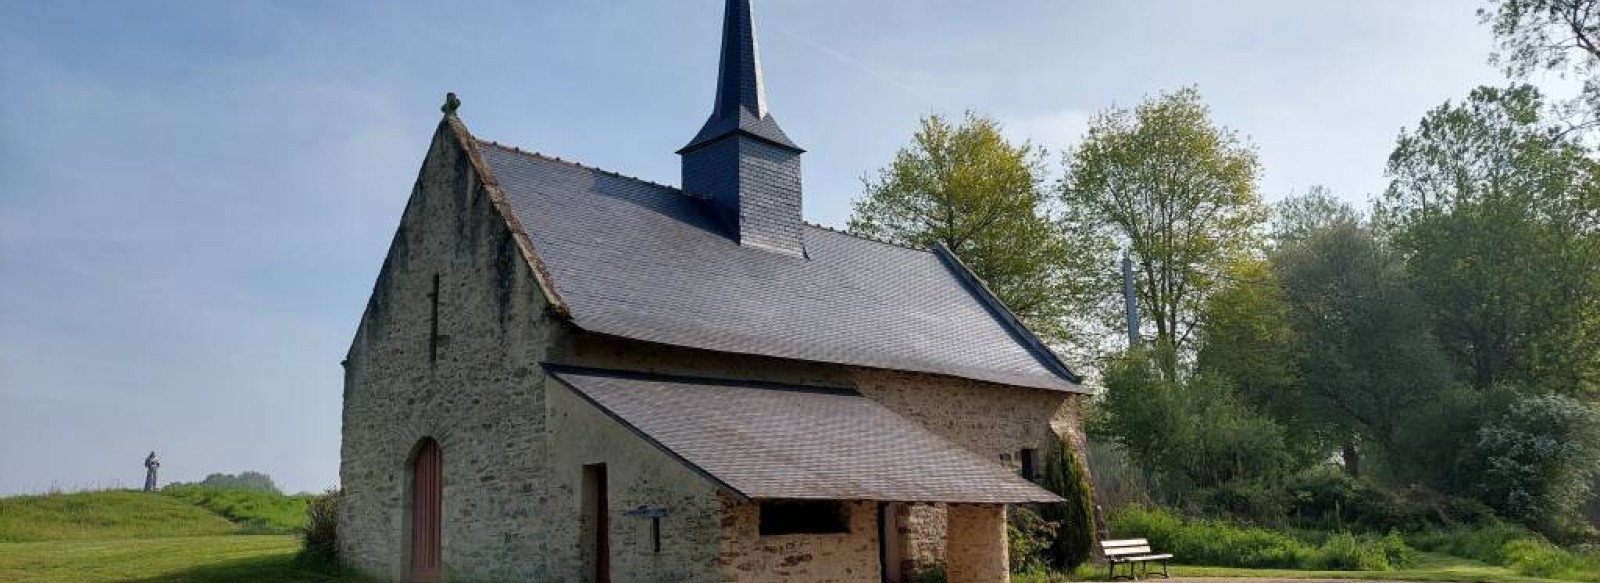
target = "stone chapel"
x: 568, y: 375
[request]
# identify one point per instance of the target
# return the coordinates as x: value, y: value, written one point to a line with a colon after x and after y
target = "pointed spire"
x: 741, y: 91
x: 739, y: 83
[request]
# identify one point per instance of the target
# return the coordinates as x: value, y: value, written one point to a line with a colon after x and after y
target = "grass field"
x: 184, y: 536
x: 206, y: 559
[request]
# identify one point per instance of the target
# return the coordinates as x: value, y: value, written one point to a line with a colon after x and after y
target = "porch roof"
x: 773, y: 441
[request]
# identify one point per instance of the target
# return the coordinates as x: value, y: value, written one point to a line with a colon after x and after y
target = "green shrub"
x: 1247, y: 500
x: 1537, y: 461
x: 928, y: 575
x: 1073, y: 520
x: 1327, y: 498
x: 1217, y: 543
x: 1347, y: 552
x: 1029, y: 538
x: 319, y: 538
x: 1514, y: 547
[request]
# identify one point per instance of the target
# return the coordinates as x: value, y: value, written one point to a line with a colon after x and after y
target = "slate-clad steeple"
x: 741, y: 161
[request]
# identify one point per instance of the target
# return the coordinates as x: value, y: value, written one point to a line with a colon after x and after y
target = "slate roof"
x: 647, y: 262
x: 769, y: 441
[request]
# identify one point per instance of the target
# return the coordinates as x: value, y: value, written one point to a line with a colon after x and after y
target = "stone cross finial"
x: 151, y: 464
x: 451, y: 104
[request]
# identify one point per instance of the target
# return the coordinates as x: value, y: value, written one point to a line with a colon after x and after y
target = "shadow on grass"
x: 268, y: 569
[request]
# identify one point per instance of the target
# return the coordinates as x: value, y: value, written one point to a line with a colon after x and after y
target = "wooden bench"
x: 1130, y: 552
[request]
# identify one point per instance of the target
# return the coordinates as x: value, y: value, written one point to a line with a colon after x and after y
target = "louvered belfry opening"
x: 427, y: 498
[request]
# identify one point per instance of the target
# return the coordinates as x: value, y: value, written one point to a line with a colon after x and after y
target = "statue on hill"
x: 151, y: 463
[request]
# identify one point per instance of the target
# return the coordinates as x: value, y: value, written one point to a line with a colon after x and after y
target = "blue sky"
x: 196, y: 196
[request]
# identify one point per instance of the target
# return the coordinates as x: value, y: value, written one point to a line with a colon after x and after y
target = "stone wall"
x: 469, y: 388
x: 977, y: 548
x: 639, y: 475
x: 995, y: 421
x: 798, y: 558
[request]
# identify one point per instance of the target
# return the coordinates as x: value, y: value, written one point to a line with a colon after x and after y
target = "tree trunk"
x: 1352, y: 459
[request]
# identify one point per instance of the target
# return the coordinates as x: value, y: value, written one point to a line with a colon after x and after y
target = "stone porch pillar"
x: 975, y: 548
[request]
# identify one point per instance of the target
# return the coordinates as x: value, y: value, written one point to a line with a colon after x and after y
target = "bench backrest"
x: 1123, y: 548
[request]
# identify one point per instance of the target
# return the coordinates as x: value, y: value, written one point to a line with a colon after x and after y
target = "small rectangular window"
x: 804, y: 517
x: 1030, y: 464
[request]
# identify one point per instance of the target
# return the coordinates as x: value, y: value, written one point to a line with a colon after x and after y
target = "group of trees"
x: 1444, y: 341
x: 253, y: 481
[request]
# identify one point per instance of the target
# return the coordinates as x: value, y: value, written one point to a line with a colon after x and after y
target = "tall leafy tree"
x: 1561, y: 36
x: 1498, y: 214
x: 1177, y: 190
x: 1245, y: 336
x: 1296, y: 217
x: 965, y: 186
x: 1365, y: 354
x: 1189, y: 432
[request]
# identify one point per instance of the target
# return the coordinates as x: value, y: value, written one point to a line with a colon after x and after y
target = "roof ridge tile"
x: 589, y: 167
x: 868, y: 237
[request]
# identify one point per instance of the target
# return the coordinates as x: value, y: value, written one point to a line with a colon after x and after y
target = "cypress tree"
x: 1064, y: 475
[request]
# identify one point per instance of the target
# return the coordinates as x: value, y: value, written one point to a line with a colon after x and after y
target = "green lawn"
x: 1429, y: 567
x: 191, y: 536
x: 207, y: 559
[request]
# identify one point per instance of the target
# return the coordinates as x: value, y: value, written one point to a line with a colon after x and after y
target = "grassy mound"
x: 107, y: 514
x: 255, y: 511
x: 212, y: 559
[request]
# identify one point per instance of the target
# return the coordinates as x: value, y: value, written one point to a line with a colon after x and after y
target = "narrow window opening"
x: 597, y: 524
x: 1030, y: 464
x: 804, y: 517
x: 433, y: 325
x: 655, y: 534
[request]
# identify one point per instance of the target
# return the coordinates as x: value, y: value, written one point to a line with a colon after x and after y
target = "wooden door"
x: 427, y: 489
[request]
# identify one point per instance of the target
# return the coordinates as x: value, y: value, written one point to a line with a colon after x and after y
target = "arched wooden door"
x: 427, y: 489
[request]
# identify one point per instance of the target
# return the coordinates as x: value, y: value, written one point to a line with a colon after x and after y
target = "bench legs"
x: 1111, y: 571
x: 1144, y: 569
x: 1164, y: 575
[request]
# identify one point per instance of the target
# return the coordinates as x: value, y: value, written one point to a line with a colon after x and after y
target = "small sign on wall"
x: 646, y: 512
x: 654, y: 513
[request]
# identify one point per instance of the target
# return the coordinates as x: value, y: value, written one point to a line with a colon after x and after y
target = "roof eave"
x: 551, y: 370
x: 976, y: 284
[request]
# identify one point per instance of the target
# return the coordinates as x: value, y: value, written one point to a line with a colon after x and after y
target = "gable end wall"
x: 479, y: 399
